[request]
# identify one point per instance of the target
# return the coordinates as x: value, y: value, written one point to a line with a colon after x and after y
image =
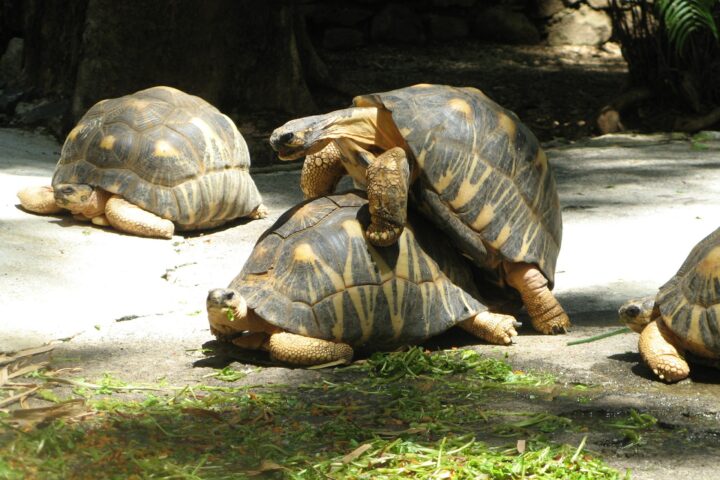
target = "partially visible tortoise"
x: 149, y: 162
x: 684, y: 317
x: 313, y: 288
x: 476, y: 171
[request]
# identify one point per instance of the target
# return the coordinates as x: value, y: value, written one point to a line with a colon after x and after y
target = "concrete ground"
x: 633, y: 207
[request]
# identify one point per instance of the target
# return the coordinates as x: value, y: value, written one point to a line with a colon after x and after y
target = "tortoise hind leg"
x: 321, y: 172
x: 664, y: 359
x: 496, y: 328
x: 546, y: 313
x: 130, y: 218
x: 388, y: 180
x: 299, y: 350
x: 39, y: 200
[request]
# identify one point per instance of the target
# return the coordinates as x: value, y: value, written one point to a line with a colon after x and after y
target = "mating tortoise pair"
x: 149, y: 162
x: 314, y: 286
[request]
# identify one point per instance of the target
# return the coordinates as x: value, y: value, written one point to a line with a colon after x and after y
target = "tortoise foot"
x: 130, y: 218
x: 546, y: 313
x: 496, y: 328
x: 670, y: 369
x: 664, y: 359
x: 39, y: 200
x: 299, y: 350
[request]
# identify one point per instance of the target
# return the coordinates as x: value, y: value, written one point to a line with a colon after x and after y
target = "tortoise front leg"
x: 39, y: 200
x: 494, y: 328
x: 546, y: 313
x: 321, y: 172
x: 388, y: 180
x: 664, y: 359
x: 130, y: 218
x: 298, y: 350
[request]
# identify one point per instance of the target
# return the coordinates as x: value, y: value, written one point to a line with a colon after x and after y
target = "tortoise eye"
x: 632, y: 311
x: 286, y: 138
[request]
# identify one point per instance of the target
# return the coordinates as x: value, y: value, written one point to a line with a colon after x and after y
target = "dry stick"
x: 94, y: 386
x: 5, y: 359
x: 20, y: 396
x: 600, y: 336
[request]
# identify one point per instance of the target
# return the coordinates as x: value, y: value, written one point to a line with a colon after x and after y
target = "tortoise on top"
x: 475, y: 170
x: 684, y: 316
x: 147, y: 162
x: 314, y: 288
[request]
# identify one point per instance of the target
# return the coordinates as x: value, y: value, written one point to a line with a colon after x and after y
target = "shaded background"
x: 264, y: 62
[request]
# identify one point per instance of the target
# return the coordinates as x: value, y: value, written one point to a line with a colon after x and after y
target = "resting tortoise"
x: 313, y: 288
x: 147, y: 162
x: 475, y: 170
x: 684, y: 317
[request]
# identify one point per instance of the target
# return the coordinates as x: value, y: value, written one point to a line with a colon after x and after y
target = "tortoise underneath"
x: 313, y: 288
x: 149, y: 162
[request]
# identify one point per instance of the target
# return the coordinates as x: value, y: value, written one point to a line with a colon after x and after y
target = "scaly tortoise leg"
x: 130, y: 218
x: 546, y: 313
x: 664, y: 359
x: 298, y: 350
x: 39, y: 200
x: 388, y: 179
x: 496, y: 328
x: 321, y: 172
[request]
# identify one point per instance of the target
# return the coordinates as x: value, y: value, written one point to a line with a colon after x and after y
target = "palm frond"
x: 685, y: 17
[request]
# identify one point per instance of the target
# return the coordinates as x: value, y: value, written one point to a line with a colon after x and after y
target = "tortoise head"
x: 307, y: 135
x: 73, y: 196
x: 636, y: 314
x: 227, y: 313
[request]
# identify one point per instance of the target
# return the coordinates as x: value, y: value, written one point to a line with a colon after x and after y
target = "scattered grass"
x: 403, y: 415
x: 632, y: 426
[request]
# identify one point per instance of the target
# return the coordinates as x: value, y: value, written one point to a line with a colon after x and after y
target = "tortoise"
x: 151, y: 161
x: 313, y: 288
x: 683, y: 320
x: 467, y: 163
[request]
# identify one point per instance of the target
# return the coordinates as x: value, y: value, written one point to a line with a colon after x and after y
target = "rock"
x: 548, y: 8
x: 599, y: 4
x: 9, y: 99
x: 443, y: 27
x: 341, y: 38
x: 504, y: 25
x: 397, y: 23
x: 11, y: 61
x: 46, y: 113
x: 583, y: 26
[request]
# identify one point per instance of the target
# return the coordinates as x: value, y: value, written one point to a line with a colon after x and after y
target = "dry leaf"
x: 28, y: 369
x: 356, y: 453
x: 520, y: 446
x: 265, y: 466
x: 4, y: 377
x: 29, y: 417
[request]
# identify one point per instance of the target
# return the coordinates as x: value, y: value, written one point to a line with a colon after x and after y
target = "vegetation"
x: 672, y: 47
x: 400, y: 415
